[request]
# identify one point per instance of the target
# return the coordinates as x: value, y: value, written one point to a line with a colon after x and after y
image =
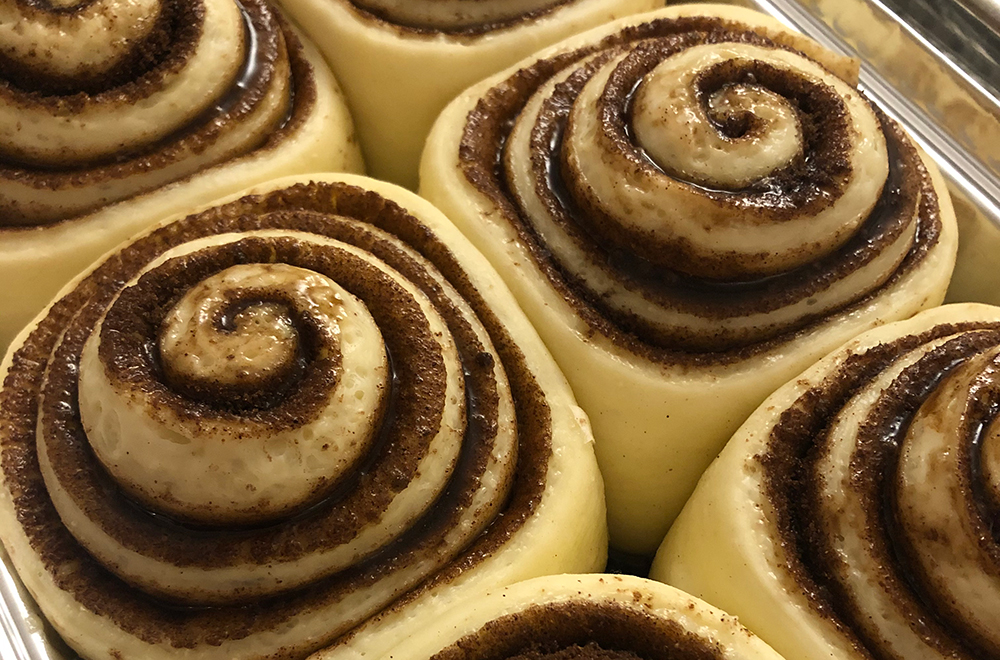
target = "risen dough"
x: 855, y: 503
x: 676, y: 299
x: 478, y: 471
x: 90, y: 156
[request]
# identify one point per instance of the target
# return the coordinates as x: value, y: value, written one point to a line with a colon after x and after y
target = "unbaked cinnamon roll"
x: 307, y: 413
x: 114, y: 115
x: 401, y: 61
x: 578, y: 617
x: 691, y: 205
x: 859, y: 503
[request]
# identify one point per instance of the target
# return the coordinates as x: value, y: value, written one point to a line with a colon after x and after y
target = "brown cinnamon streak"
x: 799, y: 440
x: 334, y: 210
x: 272, y: 40
x: 581, y: 630
x: 480, y: 153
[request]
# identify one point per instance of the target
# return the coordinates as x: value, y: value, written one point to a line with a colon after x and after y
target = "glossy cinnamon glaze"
x: 881, y: 499
x: 151, y: 112
x: 703, y: 299
x: 388, y: 259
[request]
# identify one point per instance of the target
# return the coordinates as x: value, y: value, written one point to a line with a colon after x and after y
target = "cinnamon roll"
x: 578, y: 617
x: 401, y: 61
x: 691, y: 205
x: 859, y: 503
x: 114, y: 115
x: 306, y: 413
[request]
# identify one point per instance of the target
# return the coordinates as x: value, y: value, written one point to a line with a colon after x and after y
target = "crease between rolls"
x: 401, y: 62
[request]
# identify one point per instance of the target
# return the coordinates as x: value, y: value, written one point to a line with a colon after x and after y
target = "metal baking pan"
x: 24, y: 633
x: 934, y: 69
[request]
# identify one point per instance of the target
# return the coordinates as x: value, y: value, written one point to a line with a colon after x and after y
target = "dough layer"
x: 858, y: 502
x: 674, y: 293
x: 474, y: 469
x: 175, y: 104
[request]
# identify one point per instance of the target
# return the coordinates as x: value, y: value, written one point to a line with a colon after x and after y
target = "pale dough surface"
x: 657, y: 426
x: 725, y: 546
x: 565, y: 532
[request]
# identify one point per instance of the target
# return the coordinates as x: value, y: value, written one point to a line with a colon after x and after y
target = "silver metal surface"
x: 934, y: 61
x: 25, y: 633
x: 988, y: 11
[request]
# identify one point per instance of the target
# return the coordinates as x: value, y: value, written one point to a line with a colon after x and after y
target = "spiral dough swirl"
x: 900, y: 481
x: 862, y: 500
x: 101, y: 101
x: 694, y: 185
x: 278, y: 406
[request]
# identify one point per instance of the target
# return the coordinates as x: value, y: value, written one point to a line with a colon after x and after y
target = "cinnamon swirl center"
x: 371, y: 400
x: 455, y: 465
x: 104, y: 100
x: 229, y: 345
x: 624, y: 169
